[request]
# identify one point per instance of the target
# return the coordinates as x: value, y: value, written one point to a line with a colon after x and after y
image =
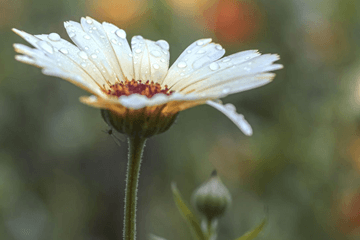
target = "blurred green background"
x: 62, y: 177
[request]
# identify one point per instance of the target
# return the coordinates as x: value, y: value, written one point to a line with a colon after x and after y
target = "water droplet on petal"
x: 138, y: 50
x: 102, y: 36
x: 89, y: 21
x: 155, y: 53
x: 226, y: 90
x: 163, y: 44
x: 120, y: 33
x: 230, y: 107
x: 94, y: 28
x: 182, y: 74
x: 86, y: 48
x: 83, y: 55
x: 200, y: 43
x: 201, y: 51
x: 54, y: 37
x: 46, y: 46
x: 97, y: 51
x: 156, y: 66
x: 94, y: 56
x: 130, y: 55
x: 139, y: 37
x: 64, y: 50
x: 90, y: 31
x: 181, y: 65
x: 247, y: 69
x: 162, y: 60
x: 71, y: 35
x: 188, y: 51
x: 214, y: 66
x: 119, y: 44
x: 219, y: 47
x: 227, y: 59
x: 114, y: 41
x: 83, y: 64
x: 87, y: 37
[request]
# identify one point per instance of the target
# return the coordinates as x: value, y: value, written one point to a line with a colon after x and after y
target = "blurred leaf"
x: 252, y: 234
x: 187, y: 214
x: 154, y: 237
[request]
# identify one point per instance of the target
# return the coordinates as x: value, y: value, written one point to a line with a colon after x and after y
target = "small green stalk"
x: 136, y: 147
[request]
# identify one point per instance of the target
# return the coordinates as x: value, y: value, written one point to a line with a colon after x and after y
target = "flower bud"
x: 212, y: 198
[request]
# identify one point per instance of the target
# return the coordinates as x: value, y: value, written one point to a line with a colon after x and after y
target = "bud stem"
x: 136, y: 147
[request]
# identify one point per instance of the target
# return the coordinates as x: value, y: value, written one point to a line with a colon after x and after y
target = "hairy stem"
x: 136, y: 147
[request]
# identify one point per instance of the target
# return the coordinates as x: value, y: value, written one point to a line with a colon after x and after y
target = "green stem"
x: 136, y: 147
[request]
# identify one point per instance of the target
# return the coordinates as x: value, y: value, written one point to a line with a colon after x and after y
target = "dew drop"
x: 83, y: 64
x: 227, y: 59
x: 201, y: 51
x: 89, y: 21
x: 86, y: 48
x: 130, y: 55
x: 87, y: 37
x: 188, y: 51
x: 226, y: 91
x: 83, y: 55
x: 163, y: 44
x: 114, y: 41
x: 97, y: 51
x: 54, y: 37
x: 230, y: 107
x: 94, y: 56
x: 182, y: 74
x: 181, y: 65
x: 102, y: 36
x: 64, y: 50
x: 214, y: 66
x: 138, y: 50
x: 139, y: 37
x: 119, y: 44
x: 200, y: 43
x: 156, y: 66
x: 120, y: 33
x: 247, y: 68
x: 90, y: 31
x: 162, y: 60
x: 155, y: 53
x: 94, y: 28
x: 46, y: 46
x: 71, y: 35
x: 219, y: 47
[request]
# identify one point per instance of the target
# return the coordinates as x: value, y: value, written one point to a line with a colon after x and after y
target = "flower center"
x: 148, y: 89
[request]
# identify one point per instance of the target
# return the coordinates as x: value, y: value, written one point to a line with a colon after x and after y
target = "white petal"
x: 199, y: 54
x: 239, y: 85
x: 234, y: 72
x: 53, y: 61
x: 230, y: 111
x: 76, y: 56
x: 121, y: 48
x: 97, y: 54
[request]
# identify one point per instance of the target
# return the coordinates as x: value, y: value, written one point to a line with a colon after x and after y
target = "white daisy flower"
x: 137, y: 81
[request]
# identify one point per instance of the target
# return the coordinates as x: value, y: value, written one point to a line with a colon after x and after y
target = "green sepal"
x: 154, y: 237
x: 253, y: 233
x: 193, y: 222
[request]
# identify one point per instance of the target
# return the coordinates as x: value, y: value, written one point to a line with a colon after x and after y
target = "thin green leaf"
x: 154, y: 237
x: 253, y: 233
x: 187, y: 214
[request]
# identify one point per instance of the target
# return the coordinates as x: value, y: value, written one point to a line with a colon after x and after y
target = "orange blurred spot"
x: 10, y: 11
x: 234, y: 21
x: 349, y: 216
x: 119, y: 11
